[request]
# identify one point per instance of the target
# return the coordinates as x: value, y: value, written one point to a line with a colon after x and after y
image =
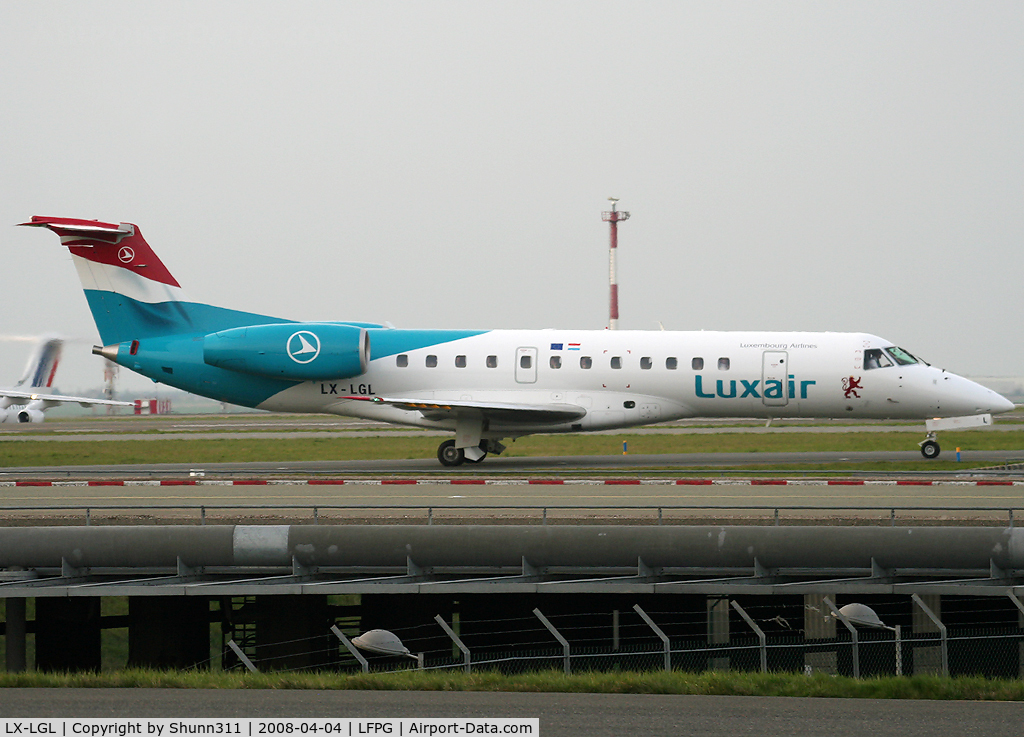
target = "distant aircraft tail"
x: 131, y: 293
x: 42, y: 365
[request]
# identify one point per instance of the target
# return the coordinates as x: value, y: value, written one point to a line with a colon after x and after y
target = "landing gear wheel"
x: 930, y: 449
x: 483, y: 447
x: 449, y: 455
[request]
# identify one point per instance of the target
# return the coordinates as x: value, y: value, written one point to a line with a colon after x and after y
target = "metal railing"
x: 652, y: 514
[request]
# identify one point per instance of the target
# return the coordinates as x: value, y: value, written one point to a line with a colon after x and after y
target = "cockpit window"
x: 875, y: 358
x: 902, y: 357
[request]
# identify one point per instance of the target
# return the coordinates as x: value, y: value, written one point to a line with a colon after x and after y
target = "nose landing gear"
x: 930, y: 447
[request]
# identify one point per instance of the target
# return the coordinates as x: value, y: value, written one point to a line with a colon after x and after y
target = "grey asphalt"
x: 596, y: 715
x: 555, y: 464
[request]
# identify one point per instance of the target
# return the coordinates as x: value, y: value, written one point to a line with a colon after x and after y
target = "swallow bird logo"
x: 126, y: 254
x: 303, y: 346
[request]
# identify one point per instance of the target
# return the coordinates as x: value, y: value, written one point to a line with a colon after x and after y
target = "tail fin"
x: 42, y: 365
x: 131, y: 293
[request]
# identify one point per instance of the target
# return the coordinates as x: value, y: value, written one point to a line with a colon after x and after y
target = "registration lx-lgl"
x: 486, y: 386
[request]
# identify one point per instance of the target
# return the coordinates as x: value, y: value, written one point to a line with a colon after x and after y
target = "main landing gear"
x: 930, y: 447
x: 449, y: 455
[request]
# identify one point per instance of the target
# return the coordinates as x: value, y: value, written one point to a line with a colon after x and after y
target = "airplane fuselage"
x: 617, y: 378
x: 486, y: 385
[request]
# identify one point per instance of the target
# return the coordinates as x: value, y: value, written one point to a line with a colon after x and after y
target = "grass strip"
x: 711, y: 683
x: 242, y: 450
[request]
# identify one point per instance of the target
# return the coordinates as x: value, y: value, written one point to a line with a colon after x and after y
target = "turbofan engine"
x: 295, y: 351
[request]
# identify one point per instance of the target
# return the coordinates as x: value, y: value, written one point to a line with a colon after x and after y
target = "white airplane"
x: 30, y: 397
x: 490, y: 385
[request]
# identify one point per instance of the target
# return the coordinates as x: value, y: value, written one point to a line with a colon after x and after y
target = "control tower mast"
x: 613, y: 217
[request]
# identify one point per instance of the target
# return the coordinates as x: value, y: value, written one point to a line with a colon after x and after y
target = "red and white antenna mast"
x: 613, y: 218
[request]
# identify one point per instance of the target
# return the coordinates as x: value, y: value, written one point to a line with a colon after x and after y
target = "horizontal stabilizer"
x: 432, y: 409
x: 87, y: 229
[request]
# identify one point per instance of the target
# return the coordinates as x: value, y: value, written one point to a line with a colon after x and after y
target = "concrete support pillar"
x: 293, y: 632
x: 16, y: 636
x: 718, y: 630
x: 928, y: 659
x: 68, y: 634
x: 819, y: 626
x: 168, y: 632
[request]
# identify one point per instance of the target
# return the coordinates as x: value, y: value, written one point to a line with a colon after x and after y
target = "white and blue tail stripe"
x: 42, y: 365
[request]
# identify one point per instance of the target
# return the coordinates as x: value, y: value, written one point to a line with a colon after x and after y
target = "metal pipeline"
x: 953, y: 548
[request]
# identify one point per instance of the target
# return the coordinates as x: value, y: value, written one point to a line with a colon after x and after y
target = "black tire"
x: 930, y: 449
x: 449, y: 455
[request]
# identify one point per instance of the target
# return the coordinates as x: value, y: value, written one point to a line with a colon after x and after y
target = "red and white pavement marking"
x: 516, y: 482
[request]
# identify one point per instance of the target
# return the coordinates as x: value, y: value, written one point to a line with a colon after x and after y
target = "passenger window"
x: 671, y: 363
x: 875, y: 358
x: 697, y: 364
x: 586, y: 362
x: 555, y: 362
x: 401, y: 360
x: 431, y: 361
x: 646, y: 363
x: 616, y: 362
x: 492, y: 362
x: 723, y: 364
x: 460, y: 362
x: 526, y: 361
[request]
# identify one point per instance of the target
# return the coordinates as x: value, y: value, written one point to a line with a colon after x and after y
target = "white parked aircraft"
x: 30, y: 397
x: 490, y: 385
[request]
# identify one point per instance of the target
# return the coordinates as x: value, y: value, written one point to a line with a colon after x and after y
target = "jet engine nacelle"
x: 294, y: 351
x: 30, y: 415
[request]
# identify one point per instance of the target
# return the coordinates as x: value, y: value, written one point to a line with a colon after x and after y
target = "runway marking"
x: 510, y: 482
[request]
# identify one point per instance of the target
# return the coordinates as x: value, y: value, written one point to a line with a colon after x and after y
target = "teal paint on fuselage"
x: 170, y: 344
x: 177, y: 360
x: 389, y: 342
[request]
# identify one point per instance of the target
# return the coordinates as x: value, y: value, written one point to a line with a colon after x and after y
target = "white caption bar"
x: 123, y: 727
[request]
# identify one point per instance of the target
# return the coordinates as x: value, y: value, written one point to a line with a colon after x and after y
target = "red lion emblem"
x: 850, y: 386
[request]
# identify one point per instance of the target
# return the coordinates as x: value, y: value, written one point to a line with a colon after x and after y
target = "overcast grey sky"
x: 788, y: 165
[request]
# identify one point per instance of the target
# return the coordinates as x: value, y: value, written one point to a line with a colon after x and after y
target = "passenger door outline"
x: 774, y: 367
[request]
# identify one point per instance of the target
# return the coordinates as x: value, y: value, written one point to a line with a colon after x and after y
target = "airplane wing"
x: 84, y: 401
x: 432, y: 409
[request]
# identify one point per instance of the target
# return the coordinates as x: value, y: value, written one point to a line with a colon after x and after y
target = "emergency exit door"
x: 774, y: 372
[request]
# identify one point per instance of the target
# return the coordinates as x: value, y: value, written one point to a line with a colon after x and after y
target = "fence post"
x: 853, y: 633
x: 659, y: 633
x: 351, y: 648
x: 567, y: 666
x: 942, y: 632
x: 758, y: 631
x: 242, y: 656
x: 455, y: 638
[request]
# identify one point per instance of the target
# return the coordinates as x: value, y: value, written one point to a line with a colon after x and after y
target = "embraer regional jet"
x: 31, y: 396
x: 490, y: 385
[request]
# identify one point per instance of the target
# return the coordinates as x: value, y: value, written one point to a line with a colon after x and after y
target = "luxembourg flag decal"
x: 574, y: 346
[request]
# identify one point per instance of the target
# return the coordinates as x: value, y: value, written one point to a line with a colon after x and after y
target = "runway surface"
x: 561, y: 715
x: 511, y: 500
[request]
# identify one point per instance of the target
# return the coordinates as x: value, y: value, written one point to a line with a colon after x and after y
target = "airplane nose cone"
x: 1001, y: 404
x: 991, y: 402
